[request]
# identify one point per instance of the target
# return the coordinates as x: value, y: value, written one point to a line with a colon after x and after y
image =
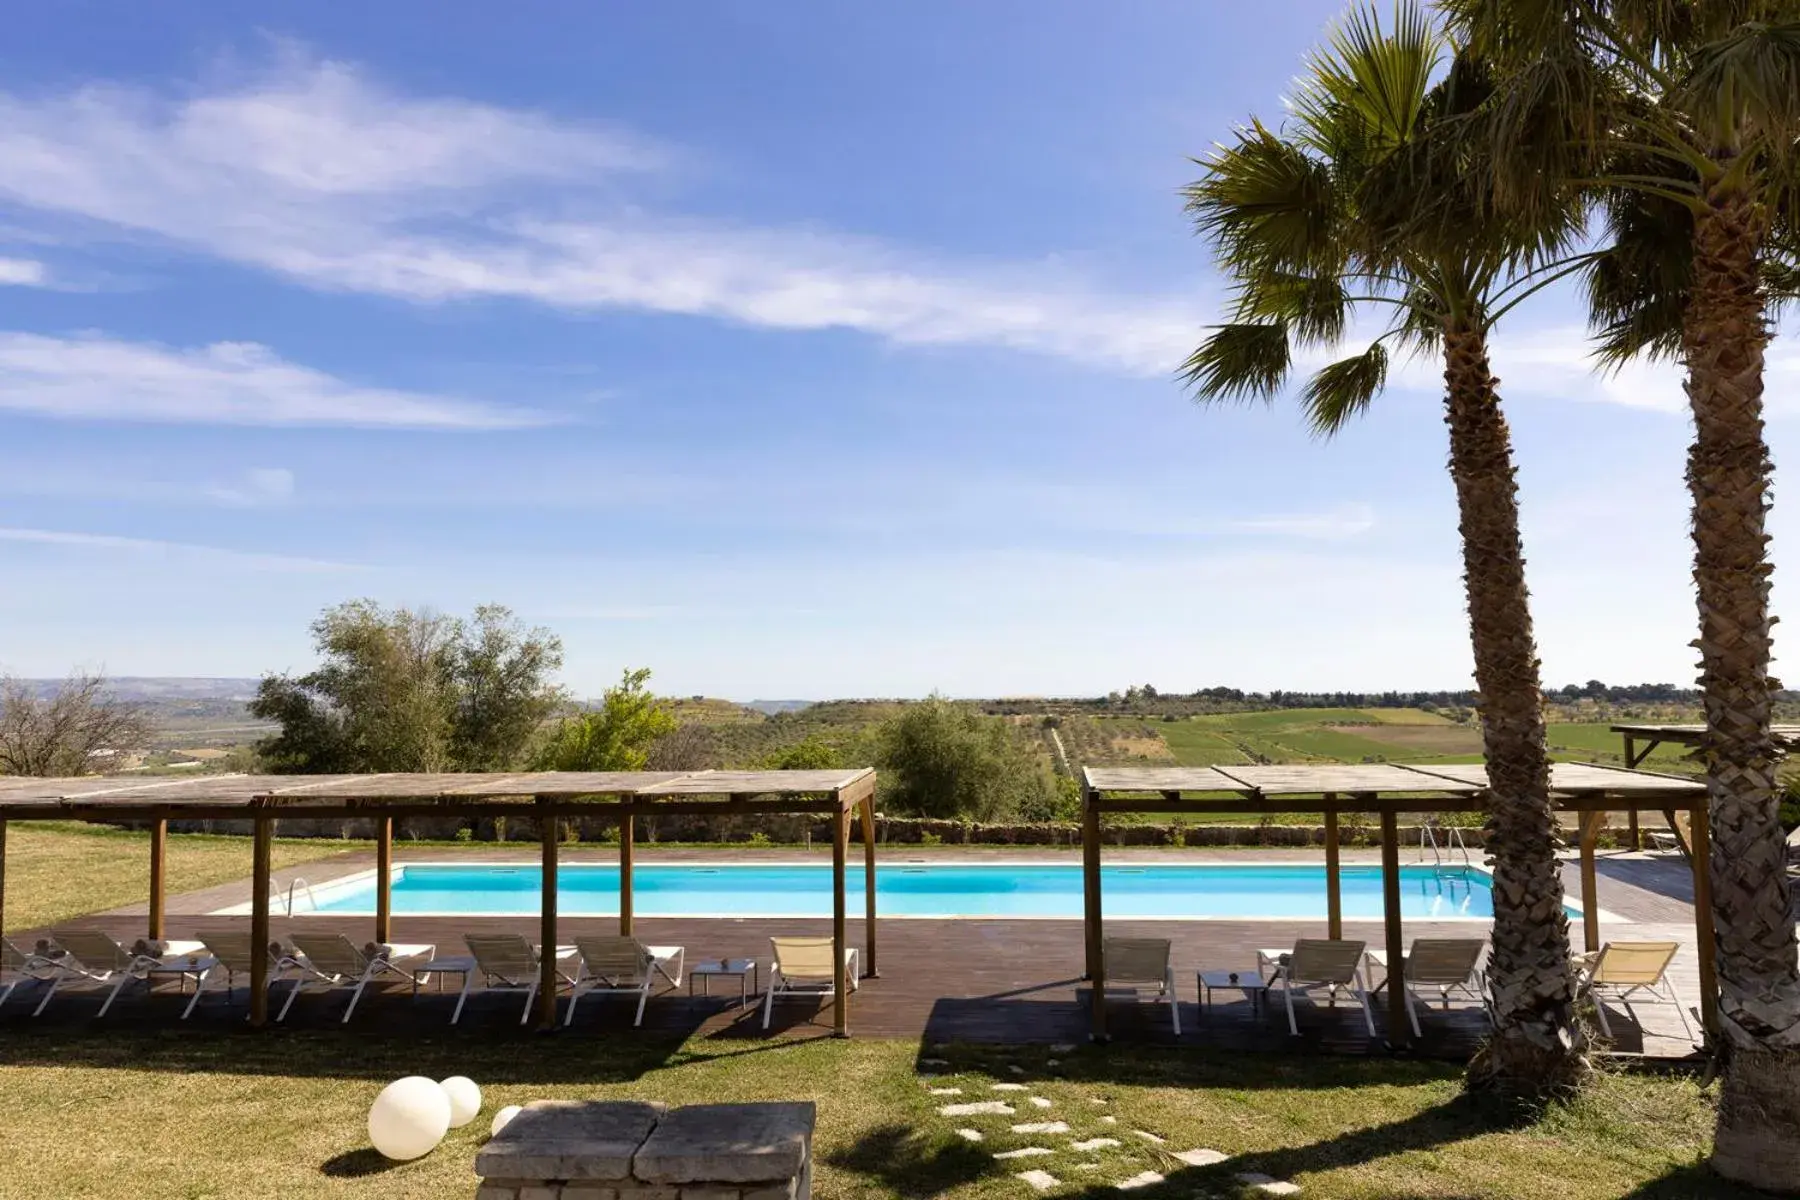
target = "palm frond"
x: 1314, y: 308
x: 1345, y: 389
x: 1637, y: 291
x: 1745, y: 88
x: 1363, y: 94
x: 1265, y: 204
x: 1244, y: 361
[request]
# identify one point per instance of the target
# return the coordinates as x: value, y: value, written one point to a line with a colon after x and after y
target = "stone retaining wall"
x: 631, y: 1150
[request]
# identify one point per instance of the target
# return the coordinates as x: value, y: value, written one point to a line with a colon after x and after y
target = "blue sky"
x: 799, y: 350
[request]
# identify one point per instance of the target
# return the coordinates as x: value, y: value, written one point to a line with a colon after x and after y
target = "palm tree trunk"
x: 1537, y: 1048
x: 1724, y: 335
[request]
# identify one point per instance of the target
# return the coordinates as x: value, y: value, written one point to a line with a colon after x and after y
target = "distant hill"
x: 779, y: 706
x: 154, y: 688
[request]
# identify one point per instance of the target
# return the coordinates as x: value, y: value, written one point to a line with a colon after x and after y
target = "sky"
x: 792, y: 351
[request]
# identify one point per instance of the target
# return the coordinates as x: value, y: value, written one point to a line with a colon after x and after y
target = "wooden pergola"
x: 1652, y: 735
x: 548, y: 797
x: 1387, y: 789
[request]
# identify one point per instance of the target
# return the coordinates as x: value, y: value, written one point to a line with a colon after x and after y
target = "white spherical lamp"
x: 464, y: 1097
x: 409, y: 1118
x: 502, y: 1118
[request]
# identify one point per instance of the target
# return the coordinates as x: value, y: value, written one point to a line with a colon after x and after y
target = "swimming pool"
x: 1179, y: 892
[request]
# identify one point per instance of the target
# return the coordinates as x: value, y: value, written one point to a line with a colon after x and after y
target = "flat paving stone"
x: 1153, y: 1139
x: 1026, y: 1152
x: 723, y: 1143
x: 1063, y: 1048
x: 1043, y: 1181
x: 1099, y: 1143
x: 1039, y: 1102
x: 1139, y: 1181
x: 1268, y: 1185
x: 1010, y: 1087
x: 1042, y: 1127
x: 570, y: 1139
x: 969, y: 1135
x: 979, y: 1108
x: 946, y: 1091
x: 1201, y: 1158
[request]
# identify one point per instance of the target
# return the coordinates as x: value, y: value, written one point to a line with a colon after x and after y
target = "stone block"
x: 589, y: 1191
x: 709, y: 1193
x: 727, y: 1143
x: 642, y: 1192
x: 541, y: 1191
x: 491, y: 1190
x: 570, y: 1140
x: 771, y: 1191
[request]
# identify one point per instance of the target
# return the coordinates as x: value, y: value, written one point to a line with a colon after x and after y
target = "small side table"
x: 748, y: 973
x: 1251, y: 983
x: 455, y: 964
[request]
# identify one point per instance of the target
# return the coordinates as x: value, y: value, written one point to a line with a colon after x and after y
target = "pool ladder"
x: 1452, y: 844
x: 286, y: 903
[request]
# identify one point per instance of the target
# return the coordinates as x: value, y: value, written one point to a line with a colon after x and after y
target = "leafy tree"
x: 617, y: 736
x: 1358, y: 202
x: 400, y: 690
x: 690, y: 746
x: 810, y: 754
x: 942, y: 759
x: 1680, y: 120
x: 70, y: 731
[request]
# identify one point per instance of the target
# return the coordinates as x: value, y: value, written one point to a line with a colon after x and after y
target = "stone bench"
x: 631, y: 1150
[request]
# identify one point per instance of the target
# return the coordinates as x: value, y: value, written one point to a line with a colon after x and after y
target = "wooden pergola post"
x: 627, y: 845
x: 1091, y: 894
x: 384, y: 872
x: 548, y: 830
x: 1334, y: 892
x: 261, y: 844
x: 1398, y: 1027
x: 159, y: 849
x: 840, y: 975
x: 1589, y: 826
x: 869, y: 968
x: 1700, y: 834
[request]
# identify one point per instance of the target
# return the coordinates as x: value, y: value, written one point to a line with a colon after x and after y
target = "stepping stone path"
x: 1039, y: 1102
x: 1100, y: 1143
x: 992, y: 1108
x: 1042, y: 1127
x: 1138, y: 1181
x: 1013, y: 1070
x: 1010, y: 1087
x: 1201, y: 1158
x: 1109, y: 1120
x: 1043, y: 1181
x: 1268, y: 1185
x: 1027, y: 1152
x: 969, y: 1135
x: 946, y: 1091
x: 1152, y: 1138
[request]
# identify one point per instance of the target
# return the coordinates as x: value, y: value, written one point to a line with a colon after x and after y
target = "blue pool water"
x: 906, y: 890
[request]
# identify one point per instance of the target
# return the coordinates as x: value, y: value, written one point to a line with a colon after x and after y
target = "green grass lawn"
x: 188, y: 1113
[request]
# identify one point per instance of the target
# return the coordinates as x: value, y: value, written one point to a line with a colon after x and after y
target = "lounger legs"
x: 54, y: 984
x: 124, y: 978
x: 769, y: 1000
x: 643, y: 999
x: 354, y: 997
x: 530, y: 995
x: 1174, y: 1001
x: 468, y: 982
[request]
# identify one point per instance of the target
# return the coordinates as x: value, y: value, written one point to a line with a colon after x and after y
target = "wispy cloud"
x: 254, y: 488
x: 23, y: 272
x: 317, y: 172
x: 234, y: 383
x: 151, y: 548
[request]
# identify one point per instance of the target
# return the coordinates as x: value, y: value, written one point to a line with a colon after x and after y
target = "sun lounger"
x: 335, y: 961
x: 509, y: 963
x: 23, y: 966
x: 97, y: 955
x: 232, y: 953
x: 803, y: 967
x: 1624, y: 971
x: 1316, y: 963
x: 1447, y: 964
x: 621, y: 966
x: 1134, y: 964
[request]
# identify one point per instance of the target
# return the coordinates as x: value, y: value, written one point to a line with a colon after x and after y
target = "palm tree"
x: 1352, y: 205
x: 1682, y: 117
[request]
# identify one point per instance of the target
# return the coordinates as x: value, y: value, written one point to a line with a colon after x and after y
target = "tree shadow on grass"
x: 908, y: 1163
x: 352, y: 1164
x: 1692, y: 1183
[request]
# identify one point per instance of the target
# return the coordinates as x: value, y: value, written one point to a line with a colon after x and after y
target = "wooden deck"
x: 940, y: 980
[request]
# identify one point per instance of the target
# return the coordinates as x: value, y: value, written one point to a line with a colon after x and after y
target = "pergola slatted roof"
x: 1345, y: 784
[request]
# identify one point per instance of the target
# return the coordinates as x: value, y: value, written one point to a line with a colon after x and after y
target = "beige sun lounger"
x: 97, y: 955
x: 1625, y: 971
x: 622, y: 966
x: 232, y: 955
x: 803, y: 967
x: 335, y: 961
x: 1319, y: 963
x: 1447, y: 964
x: 1137, y: 964
x: 509, y: 963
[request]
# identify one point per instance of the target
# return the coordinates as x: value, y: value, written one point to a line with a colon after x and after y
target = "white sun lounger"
x: 622, y: 966
x: 803, y: 967
x: 232, y: 955
x: 509, y: 963
x: 97, y: 955
x: 1447, y: 964
x: 335, y: 961
x: 1627, y: 971
x: 1315, y: 963
x: 23, y: 966
x: 1136, y: 964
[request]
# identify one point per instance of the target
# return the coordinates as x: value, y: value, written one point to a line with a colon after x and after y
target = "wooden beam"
x: 1399, y: 1029
x: 549, y: 827
x: 840, y: 978
x: 869, y: 967
x: 1681, y: 840
x: 1093, y: 943
x: 1701, y: 831
x: 1590, y: 909
x: 261, y: 844
x: 1334, y: 895
x: 627, y: 848
x: 384, y: 872
x: 159, y: 858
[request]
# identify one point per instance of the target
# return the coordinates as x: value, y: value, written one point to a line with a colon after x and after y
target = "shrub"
x: 943, y: 759
x: 930, y: 839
